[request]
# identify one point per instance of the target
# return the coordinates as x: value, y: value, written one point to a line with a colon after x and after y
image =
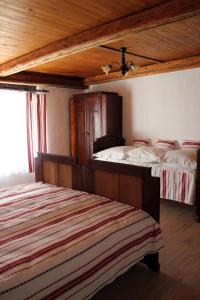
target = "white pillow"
x: 141, y: 142
x: 118, y: 152
x: 146, y: 154
x: 183, y: 158
x: 190, y: 144
x: 166, y: 144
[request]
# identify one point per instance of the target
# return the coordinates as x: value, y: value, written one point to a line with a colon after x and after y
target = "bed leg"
x: 152, y: 261
x: 197, y: 214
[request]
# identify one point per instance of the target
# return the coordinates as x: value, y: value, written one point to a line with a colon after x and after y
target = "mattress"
x: 58, y: 243
x: 177, y: 183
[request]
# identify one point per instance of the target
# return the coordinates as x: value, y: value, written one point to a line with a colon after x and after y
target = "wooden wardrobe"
x: 93, y: 115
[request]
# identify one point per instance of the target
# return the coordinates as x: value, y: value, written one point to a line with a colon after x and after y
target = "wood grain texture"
x: 28, y: 25
x: 50, y: 172
x: 174, y: 65
x: 72, y: 112
x: 179, y: 259
x: 43, y: 78
x: 171, y: 41
x: 58, y: 170
x: 65, y: 175
x: 175, y: 40
x: 118, y: 181
x: 103, y: 178
x: 167, y: 12
x: 93, y: 115
x: 85, y: 63
x: 130, y: 188
x: 106, y: 184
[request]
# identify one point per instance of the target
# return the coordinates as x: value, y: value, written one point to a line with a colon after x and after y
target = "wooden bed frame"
x: 106, y: 142
x: 131, y: 185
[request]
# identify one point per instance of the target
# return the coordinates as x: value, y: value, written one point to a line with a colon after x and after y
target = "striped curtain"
x: 36, y: 126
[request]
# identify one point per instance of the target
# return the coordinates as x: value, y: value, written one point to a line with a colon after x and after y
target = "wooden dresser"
x: 93, y: 115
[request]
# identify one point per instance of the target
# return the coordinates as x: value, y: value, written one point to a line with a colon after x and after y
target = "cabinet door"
x: 94, y: 124
x: 80, y: 131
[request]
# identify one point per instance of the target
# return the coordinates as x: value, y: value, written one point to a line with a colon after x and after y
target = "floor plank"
x: 179, y: 277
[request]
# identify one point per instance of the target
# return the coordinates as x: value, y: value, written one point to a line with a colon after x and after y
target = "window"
x: 13, y: 134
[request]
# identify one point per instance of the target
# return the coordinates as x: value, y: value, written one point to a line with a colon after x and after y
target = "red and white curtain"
x: 36, y: 126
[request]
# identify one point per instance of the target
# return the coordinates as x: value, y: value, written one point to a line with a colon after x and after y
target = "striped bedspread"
x: 58, y: 243
x: 176, y: 183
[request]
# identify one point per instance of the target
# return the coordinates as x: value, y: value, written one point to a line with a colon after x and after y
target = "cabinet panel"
x: 112, y: 106
x: 81, y: 150
x: 94, y: 122
x: 92, y: 116
x: 72, y: 111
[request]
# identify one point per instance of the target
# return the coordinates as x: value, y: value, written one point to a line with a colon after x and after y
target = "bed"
x: 60, y: 242
x: 177, y: 182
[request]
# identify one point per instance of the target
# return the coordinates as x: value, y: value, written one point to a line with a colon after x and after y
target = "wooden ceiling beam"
x: 167, y: 12
x: 43, y: 78
x: 174, y: 65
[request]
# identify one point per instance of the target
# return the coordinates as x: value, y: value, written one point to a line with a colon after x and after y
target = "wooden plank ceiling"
x: 62, y: 39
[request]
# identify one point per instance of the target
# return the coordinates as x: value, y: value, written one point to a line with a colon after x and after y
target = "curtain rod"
x: 22, y: 88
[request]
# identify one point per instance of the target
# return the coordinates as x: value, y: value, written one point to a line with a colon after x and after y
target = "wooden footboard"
x: 58, y: 170
x: 124, y: 183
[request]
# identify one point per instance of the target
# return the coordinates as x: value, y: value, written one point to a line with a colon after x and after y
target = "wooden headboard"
x: 107, y: 141
x: 124, y: 183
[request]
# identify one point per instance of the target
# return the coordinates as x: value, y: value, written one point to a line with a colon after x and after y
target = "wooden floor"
x: 179, y: 277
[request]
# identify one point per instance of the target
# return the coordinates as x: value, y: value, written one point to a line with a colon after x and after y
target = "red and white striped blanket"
x: 58, y: 243
x: 176, y: 183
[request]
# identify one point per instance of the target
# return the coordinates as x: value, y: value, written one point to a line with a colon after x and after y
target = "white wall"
x: 58, y: 141
x: 159, y: 106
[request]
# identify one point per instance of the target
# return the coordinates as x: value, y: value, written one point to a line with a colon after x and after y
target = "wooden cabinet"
x: 92, y: 116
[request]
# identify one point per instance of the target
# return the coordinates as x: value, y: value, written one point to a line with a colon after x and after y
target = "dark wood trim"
x: 164, y: 13
x: 151, y: 196
x: 107, y: 141
x: 150, y: 185
x: 60, y: 159
x: 23, y: 88
x: 119, y: 168
x: 38, y: 169
x: 170, y: 66
x: 44, y: 78
x: 100, y: 110
x: 56, y: 158
x: 197, y: 202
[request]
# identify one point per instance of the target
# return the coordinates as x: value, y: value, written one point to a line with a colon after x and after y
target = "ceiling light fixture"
x: 125, y: 65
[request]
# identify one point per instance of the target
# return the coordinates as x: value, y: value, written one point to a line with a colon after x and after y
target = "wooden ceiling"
x: 59, y: 37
